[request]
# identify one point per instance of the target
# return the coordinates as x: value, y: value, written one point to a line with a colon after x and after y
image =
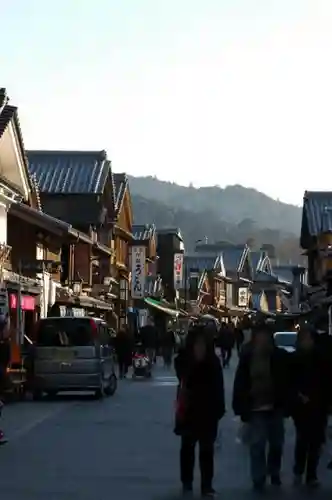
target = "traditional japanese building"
x: 32, y: 241
x: 169, y: 243
x: 122, y: 229
x: 80, y: 188
x: 238, y: 271
x: 316, y: 235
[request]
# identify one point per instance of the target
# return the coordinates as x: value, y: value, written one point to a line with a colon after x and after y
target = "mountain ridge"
x: 234, y: 214
x: 232, y: 203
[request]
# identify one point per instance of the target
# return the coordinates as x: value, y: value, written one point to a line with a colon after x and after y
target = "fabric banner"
x: 138, y: 272
x: 178, y: 271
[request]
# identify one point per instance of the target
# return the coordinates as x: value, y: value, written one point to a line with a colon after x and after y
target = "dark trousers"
x: 123, y: 367
x: 239, y: 346
x: 266, y: 436
x: 167, y: 353
x: 309, y: 440
x: 206, y: 460
x: 226, y: 356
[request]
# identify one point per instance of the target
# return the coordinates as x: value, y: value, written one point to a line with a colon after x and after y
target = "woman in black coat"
x: 202, y: 389
x: 310, y: 383
x: 123, y: 349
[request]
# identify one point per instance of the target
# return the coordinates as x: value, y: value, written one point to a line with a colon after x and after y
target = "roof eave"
x: 243, y: 258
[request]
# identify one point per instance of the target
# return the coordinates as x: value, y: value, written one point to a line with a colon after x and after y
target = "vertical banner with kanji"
x: 178, y: 271
x: 138, y: 272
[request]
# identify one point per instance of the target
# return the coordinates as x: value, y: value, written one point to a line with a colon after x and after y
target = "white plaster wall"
x: 10, y: 161
x: 52, y: 292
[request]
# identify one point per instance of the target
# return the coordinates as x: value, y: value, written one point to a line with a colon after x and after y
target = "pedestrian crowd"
x: 270, y: 386
x: 148, y: 339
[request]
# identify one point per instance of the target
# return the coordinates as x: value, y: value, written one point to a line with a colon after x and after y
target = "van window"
x: 64, y: 332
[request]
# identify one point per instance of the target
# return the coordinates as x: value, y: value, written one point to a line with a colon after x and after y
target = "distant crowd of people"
x: 150, y: 339
x: 270, y: 386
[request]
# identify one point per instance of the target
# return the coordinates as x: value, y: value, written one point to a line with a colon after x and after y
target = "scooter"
x: 142, y: 366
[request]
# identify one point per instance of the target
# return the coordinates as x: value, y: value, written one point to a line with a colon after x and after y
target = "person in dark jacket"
x: 239, y: 338
x: 310, y: 396
x: 149, y: 337
x: 123, y: 348
x: 167, y: 347
x: 200, y: 375
x: 227, y: 343
x: 261, y: 399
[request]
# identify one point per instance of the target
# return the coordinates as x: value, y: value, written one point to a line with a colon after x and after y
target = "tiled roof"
x: 170, y: 230
x: 120, y: 184
x: 3, y: 98
x: 70, y: 172
x: 316, y: 215
x: 255, y: 258
x: 232, y: 255
x: 283, y: 273
x: 265, y: 277
x: 6, y: 115
x: 200, y: 262
x: 233, y: 258
x: 260, y: 261
x: 143, y: 232
x: 9, y: 114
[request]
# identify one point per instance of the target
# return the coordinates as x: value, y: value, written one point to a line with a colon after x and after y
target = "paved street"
x: 120, y: 448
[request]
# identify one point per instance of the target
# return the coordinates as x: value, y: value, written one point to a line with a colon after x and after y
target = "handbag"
x: 180, y: 408
x: 244, y: 434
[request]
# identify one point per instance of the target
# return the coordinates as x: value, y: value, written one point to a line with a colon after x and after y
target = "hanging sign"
x: 243, y: 297
x: 178, y: 270
x: 138, y: 272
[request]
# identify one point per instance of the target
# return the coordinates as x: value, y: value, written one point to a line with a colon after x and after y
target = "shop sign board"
x: 138, y: 272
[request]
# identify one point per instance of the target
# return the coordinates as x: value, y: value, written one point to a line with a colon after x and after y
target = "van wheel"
x: 37, y: 395
x: 99, y: 393
x: 51, y: 394
x: 112, y: 386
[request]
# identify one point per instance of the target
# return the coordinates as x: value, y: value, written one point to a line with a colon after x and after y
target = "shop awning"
x: 229, y: 311
x: 157, y: 305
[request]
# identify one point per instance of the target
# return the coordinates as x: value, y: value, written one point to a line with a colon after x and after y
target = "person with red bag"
x: 200, y: 405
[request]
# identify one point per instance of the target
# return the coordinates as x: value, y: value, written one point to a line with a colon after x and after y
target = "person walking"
x: 201, y: 394
x: 167, y: 347
x: 123, y: 349
x: 149, y: 337
x: 261, y: 399
x: 311, y: 398
x: 227, y: 343
x: 239, y: 338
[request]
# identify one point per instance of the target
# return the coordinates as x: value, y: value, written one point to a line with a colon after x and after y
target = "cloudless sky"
x: 203, y: 91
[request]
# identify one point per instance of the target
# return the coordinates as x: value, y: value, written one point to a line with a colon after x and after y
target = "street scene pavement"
x: 122, y: 448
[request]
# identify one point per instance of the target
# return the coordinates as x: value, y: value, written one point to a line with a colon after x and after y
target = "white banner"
x: 137, y: 272
x: 143, y: 315
x: 178, y: 270
x: 243, y: 297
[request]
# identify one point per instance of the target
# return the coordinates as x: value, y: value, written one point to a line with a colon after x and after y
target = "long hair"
x: 199, y: 333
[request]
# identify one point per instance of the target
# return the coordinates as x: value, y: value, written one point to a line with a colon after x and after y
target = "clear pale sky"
x: 202, y: 91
